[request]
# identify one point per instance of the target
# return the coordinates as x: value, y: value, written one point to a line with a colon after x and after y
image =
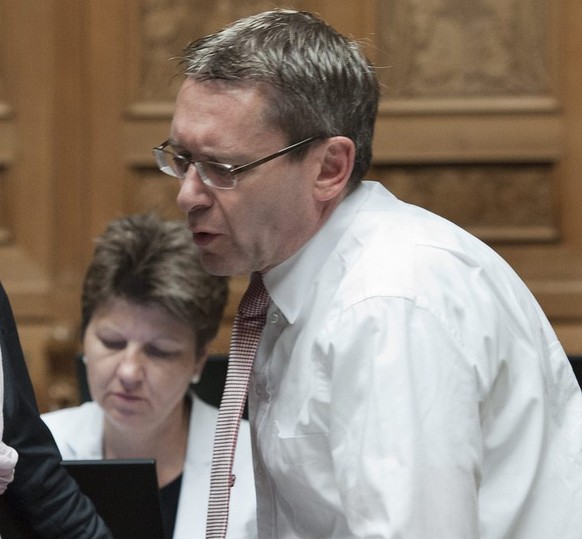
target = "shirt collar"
x: 288, y: 282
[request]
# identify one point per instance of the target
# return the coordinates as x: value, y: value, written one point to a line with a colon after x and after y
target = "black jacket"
x: 42, y: 496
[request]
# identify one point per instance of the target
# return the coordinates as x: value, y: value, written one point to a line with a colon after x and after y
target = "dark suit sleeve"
x: 42, y: 493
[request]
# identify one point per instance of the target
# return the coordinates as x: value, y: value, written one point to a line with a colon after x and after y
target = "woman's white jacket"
x: 78, y: 432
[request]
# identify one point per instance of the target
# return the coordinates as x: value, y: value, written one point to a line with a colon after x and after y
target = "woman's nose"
x: 131, y: 369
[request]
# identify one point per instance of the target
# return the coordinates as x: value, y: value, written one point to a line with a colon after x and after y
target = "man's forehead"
x: 234, y: 102
x: 240, y: 89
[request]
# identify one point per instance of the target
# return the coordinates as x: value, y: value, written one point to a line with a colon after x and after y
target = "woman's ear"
x: 201, y: 360
x: 336, y: 168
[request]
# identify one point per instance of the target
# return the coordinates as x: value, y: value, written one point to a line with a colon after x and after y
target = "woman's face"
x: 140, y: 361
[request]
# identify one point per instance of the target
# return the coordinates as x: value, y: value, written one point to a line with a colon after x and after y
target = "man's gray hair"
x: 318, y: 81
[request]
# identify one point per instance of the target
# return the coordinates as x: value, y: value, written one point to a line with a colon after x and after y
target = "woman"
x: 149, y: 312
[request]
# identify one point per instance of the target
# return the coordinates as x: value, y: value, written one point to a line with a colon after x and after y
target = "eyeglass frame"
x: 232, y: 170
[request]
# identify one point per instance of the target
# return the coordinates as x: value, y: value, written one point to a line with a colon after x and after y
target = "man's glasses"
x: 220, y: 175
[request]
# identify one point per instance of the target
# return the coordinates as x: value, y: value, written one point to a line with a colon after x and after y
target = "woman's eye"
x: 154, y: 351
x: 113, y: 344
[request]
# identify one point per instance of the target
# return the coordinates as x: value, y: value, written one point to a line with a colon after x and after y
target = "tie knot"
x: 255, y: 300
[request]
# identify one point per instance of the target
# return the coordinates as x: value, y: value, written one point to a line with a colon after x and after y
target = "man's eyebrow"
x: 176, y: 145
x: 182, y: 150
x: 229, y: 160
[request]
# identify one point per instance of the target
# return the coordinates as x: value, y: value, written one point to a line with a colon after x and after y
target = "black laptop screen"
x: 125, y: 493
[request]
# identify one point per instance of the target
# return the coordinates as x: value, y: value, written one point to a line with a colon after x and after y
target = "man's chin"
x: 221, y: 267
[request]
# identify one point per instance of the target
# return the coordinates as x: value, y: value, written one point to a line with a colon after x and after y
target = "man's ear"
x: 336, y: 167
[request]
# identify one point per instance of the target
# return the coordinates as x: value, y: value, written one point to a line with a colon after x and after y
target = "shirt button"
x: 274, y: 318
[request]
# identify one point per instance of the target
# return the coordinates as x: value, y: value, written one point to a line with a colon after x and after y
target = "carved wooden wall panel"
x: 165, y: 27
x: 460, y: 48
x: 25, y: 161
x: 498, y: 202
x: 25, y: 111
x: 471, y: 83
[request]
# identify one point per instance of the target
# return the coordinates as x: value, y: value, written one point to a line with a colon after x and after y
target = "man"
x: 407, y: 384
x: 42, y: 500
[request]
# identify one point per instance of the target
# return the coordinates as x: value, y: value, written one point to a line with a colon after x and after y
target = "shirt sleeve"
x: 405, y: 437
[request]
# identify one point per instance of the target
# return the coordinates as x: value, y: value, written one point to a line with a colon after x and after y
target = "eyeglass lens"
x: 177, y: 165
x: 218, y: 175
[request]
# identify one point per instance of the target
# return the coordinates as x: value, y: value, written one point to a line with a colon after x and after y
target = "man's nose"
x: 193, y: 194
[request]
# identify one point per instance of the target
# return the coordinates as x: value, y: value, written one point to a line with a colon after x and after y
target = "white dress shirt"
x: 408, y: 385
x: 79, y: 435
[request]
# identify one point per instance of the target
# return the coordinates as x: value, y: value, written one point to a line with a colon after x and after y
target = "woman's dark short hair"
x: 153, y: 262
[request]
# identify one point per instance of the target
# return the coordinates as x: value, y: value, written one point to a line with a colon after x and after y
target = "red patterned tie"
x: 246, y: 332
